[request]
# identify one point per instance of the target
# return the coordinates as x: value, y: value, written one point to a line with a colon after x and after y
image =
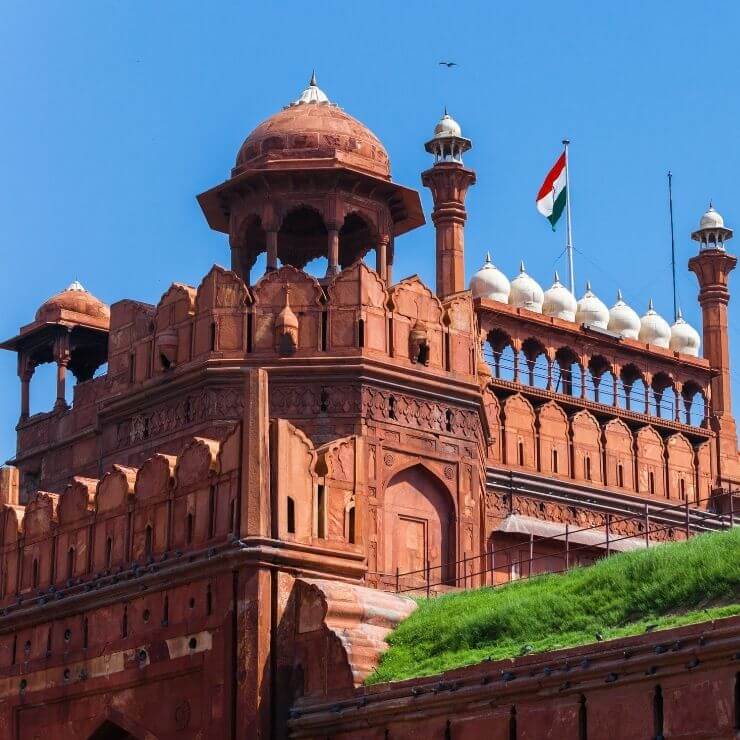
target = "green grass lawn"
x: 667, y: 585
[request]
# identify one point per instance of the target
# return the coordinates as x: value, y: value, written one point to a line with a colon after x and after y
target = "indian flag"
x: 553, y: 193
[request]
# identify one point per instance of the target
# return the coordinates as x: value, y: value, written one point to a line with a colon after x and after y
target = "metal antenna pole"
x: 569, y: 233
x: 673, y: 245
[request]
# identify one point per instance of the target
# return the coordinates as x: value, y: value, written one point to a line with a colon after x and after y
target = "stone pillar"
x: 272, y: 256
x: 61, y: 401
x: 449, y: 183
x: 381, y: 258
x: 333, y: 250
x: 61, y: 357
x: 25, y: 373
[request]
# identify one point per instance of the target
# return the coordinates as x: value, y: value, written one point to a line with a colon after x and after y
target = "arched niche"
x: 419, y: 527
x: 357, y: 237
x: 302, y: 237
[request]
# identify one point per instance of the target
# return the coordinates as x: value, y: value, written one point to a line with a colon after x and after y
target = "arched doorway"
x: 111, y: 731
x: 419, y: 528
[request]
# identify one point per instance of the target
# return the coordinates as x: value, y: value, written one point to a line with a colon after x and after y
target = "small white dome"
x: 654, y: 328
x: 447, y: 126
x: 591, y: 310
x: 525, y: 292
x: 711, y: 219
x: 312, y: 94
x: 559, y: 301
x: 684, y: 338
x: 489, y: 282
x: 623, y: 319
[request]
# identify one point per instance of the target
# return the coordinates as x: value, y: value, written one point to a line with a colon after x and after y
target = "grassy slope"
x: 668, y: 585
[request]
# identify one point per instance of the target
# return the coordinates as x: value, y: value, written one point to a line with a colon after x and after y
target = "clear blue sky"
x: 116, y: 114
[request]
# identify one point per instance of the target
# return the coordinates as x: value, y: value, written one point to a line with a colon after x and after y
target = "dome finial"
x: 557, y: 277
x: 521, y: 266
x: 489, y: 261
x: 312, y: 82
x: 650, y: 305
x: 679, y: 314
x: 588, y: 286
x: 619, y: 295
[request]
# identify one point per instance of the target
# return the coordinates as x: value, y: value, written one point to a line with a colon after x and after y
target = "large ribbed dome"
x: 309, y: 130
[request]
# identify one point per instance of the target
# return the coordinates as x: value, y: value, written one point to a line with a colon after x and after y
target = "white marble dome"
x: 591, y: 310
x: 559, y: 301
x: 684, y: 338
x: 711, y: 219
x: 447, y: 126
x: 623, y: 319
x: 654, y: 328
x: 489, y: 282
x: 525, y: 292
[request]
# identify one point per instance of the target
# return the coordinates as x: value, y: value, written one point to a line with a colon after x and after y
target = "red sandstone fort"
x: 214, y: 538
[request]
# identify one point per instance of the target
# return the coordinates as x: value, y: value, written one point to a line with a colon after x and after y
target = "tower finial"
x: 446, y: 113
x: 312, y: 82
x: 619, y: 295
x: 557, y: 277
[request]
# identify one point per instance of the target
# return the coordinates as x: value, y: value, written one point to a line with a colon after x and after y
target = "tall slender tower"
x: 712, y: 266
x: 449, y: 181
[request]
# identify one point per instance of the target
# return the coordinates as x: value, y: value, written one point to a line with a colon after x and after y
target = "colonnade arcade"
x: 296, y: 226
x: 595, y: 378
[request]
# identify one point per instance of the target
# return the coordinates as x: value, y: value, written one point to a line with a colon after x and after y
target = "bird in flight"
x: 450, y: 64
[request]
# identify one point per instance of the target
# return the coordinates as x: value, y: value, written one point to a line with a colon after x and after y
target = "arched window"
x: 189, y: 527
x: 108, y: 553
x: 290, y: 516
x: 594, y: 378
x: 620, y: 475
x: 148, y: 542
x: 499, y: 353
x: 320, y: 511
x: 651, y: 482
x: 632, y: 396
x: 533, y: 364
x: 351, y: 524
x: 35, y: 573
x: 587, y: 467
x: 554, y: 461
x: 568, y: 376
x: 520, y: 453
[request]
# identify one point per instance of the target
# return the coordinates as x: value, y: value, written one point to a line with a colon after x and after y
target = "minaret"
x: 449, y: 181
x: 712, y: 267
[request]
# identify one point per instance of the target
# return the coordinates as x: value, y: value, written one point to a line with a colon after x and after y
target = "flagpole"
x: 568, y: 232
x: 673, y: 245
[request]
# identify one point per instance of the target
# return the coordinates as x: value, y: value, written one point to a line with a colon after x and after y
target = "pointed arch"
x: 587, y: 457
x: 519, y: 432
x: 419, y: 517
x: 619, y: 455
x: 552, y: 424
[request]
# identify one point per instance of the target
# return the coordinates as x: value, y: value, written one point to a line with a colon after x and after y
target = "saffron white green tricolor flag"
x: 553, y: 193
